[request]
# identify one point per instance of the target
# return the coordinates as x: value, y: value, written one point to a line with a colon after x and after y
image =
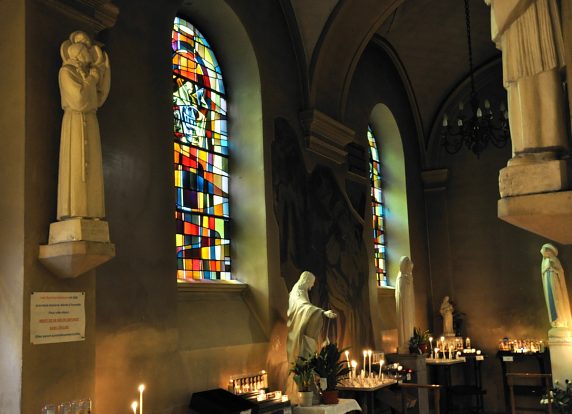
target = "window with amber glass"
x: 200, y: 158
x: 377, y: 208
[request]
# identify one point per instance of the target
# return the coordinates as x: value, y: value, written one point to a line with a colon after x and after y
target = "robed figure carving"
x: 84, y: 80
x: 529, y: 34
x: 446, y: 311
x: 305, y: 322
x: 555, y: 292
x: 405, y: 304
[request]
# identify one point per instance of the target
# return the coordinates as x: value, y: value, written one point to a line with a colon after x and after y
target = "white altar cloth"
x: 342, y: 407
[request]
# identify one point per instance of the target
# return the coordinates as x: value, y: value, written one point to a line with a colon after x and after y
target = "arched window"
x: 201, y: 158
x: 377, y: 210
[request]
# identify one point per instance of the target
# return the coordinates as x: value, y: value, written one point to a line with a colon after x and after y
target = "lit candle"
x: 369, y: 352
x: 431, y: 346
x: 141, y: 389
x: 348, y: 359
x: 468, y: 342
x: 354, y: 366
x: 364, y: 355
x: 443, y: 343
x: 134, y: 407
x: 381, y: 369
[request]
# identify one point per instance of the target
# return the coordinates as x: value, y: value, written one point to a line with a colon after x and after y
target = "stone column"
x: 435, y: 188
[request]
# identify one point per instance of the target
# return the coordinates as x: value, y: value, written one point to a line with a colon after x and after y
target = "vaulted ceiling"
x: 428, y: 36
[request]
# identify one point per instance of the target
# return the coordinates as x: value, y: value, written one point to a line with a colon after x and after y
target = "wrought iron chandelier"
x: 479, y: 127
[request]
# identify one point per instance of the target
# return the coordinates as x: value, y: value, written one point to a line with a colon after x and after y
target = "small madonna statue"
x: 446, y: 311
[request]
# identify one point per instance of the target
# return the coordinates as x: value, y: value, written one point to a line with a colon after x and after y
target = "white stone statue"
x: 305, y: 323
x: 555, y: 292
x: 530, y: 36
x: 404, y: 304
x: 305, y: 320
x: 84, y: 81
x: 446, y: 311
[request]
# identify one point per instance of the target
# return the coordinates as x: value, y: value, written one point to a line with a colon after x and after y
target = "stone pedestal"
x: 560, y: 358
x: 546, y: 214
x: 533, y: 178
x: 76, y: 246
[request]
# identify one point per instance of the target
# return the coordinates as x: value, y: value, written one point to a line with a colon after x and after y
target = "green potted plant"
x: 303, y: 372
x: 418, y: 343
x: 327, y: 365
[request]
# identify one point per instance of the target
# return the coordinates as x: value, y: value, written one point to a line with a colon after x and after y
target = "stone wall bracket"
x: 326, y: 136
x: 76, y: 246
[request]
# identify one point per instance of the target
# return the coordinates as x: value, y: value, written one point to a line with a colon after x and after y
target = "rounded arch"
x: 339, y: 49
x: 390, y: 146
x: 230, y: 41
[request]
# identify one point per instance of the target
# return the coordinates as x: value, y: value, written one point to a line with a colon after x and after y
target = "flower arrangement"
x: 559, y: 398
x: 418, y: 342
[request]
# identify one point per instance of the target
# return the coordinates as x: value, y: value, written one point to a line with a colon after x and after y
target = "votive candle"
x: 141, y: 389
x: 369, y: 352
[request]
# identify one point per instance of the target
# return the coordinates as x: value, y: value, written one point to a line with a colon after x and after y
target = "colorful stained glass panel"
x: 379, y: 244
x: 201, y: 158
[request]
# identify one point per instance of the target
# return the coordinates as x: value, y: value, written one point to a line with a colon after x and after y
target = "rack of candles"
x: 521, y: 346
x: 372, y: 361
x: 69, y: 407
x: 250, y: 383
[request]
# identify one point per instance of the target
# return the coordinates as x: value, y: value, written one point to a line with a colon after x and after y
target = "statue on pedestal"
x: 84, y: 80
x: 555, y: 292
x: 405, y: 304
x: 529, y: 34
x: 446, y: 311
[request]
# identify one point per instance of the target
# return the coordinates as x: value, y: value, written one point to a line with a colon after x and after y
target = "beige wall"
x: 146, y: 332
x: 12, y: 125
x: 492, y: 271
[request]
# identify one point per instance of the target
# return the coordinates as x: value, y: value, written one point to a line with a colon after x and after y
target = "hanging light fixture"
x: 476, y: 130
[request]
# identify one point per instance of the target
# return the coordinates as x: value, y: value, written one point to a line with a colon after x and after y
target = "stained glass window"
x: 378, y: 218
x: 201, y: 158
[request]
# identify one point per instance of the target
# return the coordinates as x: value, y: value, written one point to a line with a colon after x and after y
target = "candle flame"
x: 134, y: 406
x: 141, y: 387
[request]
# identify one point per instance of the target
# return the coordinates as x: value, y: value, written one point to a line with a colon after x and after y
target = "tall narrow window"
x: 201, y: 158
x: 377, y: 210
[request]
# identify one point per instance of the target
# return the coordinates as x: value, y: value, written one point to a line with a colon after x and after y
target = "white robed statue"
x: 446, y: 311
x: 555, y: 292
x: 84, y: 80
x: 404, y: 304
x: 305, y: 322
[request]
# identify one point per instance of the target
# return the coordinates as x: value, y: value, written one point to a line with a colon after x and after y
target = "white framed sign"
x: 57, y: 317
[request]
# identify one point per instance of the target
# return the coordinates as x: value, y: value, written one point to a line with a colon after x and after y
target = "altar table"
x: 342, y: 407
x: 366, y: 394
